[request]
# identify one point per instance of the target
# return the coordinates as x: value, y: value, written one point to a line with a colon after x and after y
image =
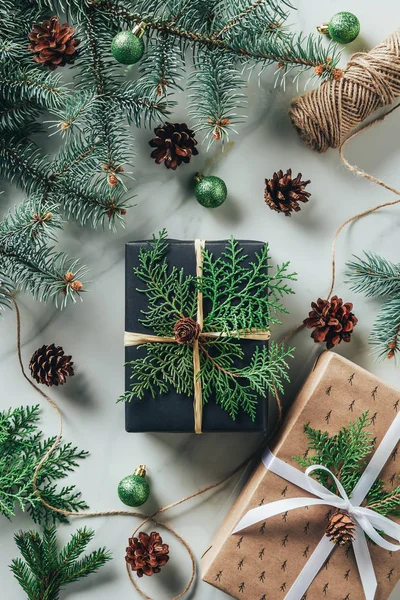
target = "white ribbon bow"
x: 367, y: 521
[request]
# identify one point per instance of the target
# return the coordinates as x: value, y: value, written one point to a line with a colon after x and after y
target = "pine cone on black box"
x: 54, y: 45
x: 341, y: 528
x: 186, y: 330
x: 174, y: 144
x: 50, y: 366
x: 283, y: 194
x: 147, y: 554
x: 333, y: 321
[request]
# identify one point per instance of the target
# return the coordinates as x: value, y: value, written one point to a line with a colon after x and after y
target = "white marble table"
x: 92, y: 331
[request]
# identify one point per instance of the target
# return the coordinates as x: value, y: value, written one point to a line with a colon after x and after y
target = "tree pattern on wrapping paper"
x: 278, y: 588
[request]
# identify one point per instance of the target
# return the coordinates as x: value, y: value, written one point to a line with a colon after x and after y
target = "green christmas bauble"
x: 127, y: 48
x: 210, y: 191
x: 344, y: 27
x: 134, y: 489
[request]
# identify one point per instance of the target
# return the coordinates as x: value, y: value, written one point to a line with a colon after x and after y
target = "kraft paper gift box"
x: 263, y: 561
x: 173, y: 412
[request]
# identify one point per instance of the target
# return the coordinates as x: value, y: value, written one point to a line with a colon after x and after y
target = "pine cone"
x: 186, y: 330
x: 283, y: 194
x: 147, y: 554
x: 50, y: 366
x: 333, y: 321
x: 341, y: 528
x: 54, y: 45
x: 174, y: 143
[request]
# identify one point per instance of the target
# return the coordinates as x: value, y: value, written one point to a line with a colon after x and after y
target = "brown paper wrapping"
x: 263, y: 562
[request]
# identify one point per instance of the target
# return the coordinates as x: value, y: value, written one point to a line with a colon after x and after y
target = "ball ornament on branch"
x: 50, y: 366
x: 343, y: 28
x: 54, y: 45
x: 210, y: 191
x: 332, y: 320
x: 127, y: 47
x: 174, y: 144
x: 283, y: 193
x: 146, y: 554
x: 134, y: 490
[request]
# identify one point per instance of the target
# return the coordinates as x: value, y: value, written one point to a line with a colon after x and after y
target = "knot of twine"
x: 325, y: 116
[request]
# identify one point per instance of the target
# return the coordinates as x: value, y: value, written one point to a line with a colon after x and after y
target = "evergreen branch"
x: 237, y: 301
x: 374, y: 275
x: 45, y: 571
x: 21, y: 450
x: 385, y: 333
x: 294, y: 50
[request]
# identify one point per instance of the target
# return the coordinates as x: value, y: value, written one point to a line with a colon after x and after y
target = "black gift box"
x: 173, y: 412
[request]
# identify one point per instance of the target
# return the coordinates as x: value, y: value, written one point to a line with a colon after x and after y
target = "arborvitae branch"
x: 346, y: 454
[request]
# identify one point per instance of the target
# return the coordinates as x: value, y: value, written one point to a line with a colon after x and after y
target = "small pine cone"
x: 333, y: 321
x: 174, y: 144
x: 50, y: 366
x: 147, y: 554
x: 186, y: 331
x: 54, y: 45
x: 341, y: 528
x: 283, y: 194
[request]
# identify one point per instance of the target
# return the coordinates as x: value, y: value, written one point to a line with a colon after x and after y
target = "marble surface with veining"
x: 92, y: 331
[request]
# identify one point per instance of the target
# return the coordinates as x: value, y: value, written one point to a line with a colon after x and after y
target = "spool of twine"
x: 325, y: 116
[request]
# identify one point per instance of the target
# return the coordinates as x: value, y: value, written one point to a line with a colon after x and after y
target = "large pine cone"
x: 283, y: 194
x: 147, y: 554
x: 50, y: 366
x: 341, y: 528
x: 174, y: 144
x: 186, y: 331
x: 54, y: 45
x: 333, y: 321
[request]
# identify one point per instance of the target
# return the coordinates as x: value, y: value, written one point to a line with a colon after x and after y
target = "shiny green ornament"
x: 343, y: 28
x: 134, y: 489
x: 127, y: 48
x: 210, y: 191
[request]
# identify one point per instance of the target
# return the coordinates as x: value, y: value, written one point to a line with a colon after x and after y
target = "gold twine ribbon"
x: 135, y: 339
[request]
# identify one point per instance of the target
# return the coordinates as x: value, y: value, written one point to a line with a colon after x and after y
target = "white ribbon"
x: 367, y: 521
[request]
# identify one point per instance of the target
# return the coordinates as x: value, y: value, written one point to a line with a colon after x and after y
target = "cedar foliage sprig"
x: 44, y: 570
x: 375, y: 276
x: 237, y: 299
x: 21, y: 449
x: 346, y: 454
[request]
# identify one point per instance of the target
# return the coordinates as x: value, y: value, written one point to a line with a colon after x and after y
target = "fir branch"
x: 21, y: 449
x: 374, y: 275
x: 45, y: 570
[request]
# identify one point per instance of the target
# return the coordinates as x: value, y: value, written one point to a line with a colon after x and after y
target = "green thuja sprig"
x: 346, y: 455
x: 44, y: 570
x: 21, y: 449
x: 240, y: 295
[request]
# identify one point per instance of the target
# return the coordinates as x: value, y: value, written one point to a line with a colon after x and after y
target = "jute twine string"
x: 126, y: 513
x: 325, y: 116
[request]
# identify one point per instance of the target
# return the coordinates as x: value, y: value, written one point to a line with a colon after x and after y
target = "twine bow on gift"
x: 182, y: 327
x: 367, y: 520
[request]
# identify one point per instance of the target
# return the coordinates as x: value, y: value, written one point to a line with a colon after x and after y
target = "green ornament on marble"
x: 210, y: 191
x: 127, y: 47
x: 134, y: 489
x: 343, y: 28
